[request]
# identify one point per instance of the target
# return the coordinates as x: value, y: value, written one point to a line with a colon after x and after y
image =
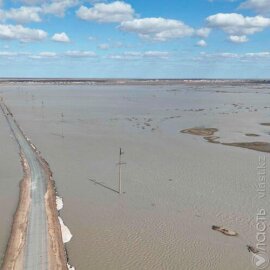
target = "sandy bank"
x: 208, y: 133
x: 57, y: 258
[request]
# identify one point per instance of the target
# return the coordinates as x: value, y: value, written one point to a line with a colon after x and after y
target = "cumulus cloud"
x: 92, y: 38
x: 47, y: 54
x: 117, y: 11
x: 43, y: 55
x: 33, y: 2
x: 201, y: 43
x: 257, y: 55
x: 156, y: 54
x: 260, y: 6
x: 238, y: 39
x: 234, y: 56
x: 8, y: 54
x: 26, y: 14
x: 61, y: 37
x: 104, y: 46
x: 158, y: 29
x: 140, y: 55
x: 18, y: 32
x: 218, y: 56
x: 22, y: 14
x: 80, y: 54
x: 238, y: 25
x: 59, y: 7
x: 203, y: 32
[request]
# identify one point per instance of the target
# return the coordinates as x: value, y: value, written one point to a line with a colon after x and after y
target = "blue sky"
x: 135, y: 38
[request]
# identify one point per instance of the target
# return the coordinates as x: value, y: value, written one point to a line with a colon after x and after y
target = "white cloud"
x: 260, y: 6
x: 234, y: 56
x: 238, y: 39
x: 141, y: 55
x: 237, y: 24
x: 59, y: 7
x: 156, y: 54
x: 22, y: 14
x: 218, y: 56
x: 80, y: 54
x: 92, y: 38
x: 258, y: 55
x: 27, y: 14
x: 201, y: 43
x: 33, y: 2
x: 48, y: 54
x: 203, y: 32
x: 43, y: 55
x: 10, y: 54
x: 18, y: 32
x: 104, y: 46
x: 133, y: 54
x: 2, y: 15
x: 61, y: 37
x: 117, y: 11
x: 7, y: 54
x: 158, y: 29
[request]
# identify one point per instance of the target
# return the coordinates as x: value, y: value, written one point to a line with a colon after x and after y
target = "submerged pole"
x: 62, y: 121
x: 120, y: 171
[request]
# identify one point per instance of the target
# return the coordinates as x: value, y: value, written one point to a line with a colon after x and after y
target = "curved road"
x: 36, y: 246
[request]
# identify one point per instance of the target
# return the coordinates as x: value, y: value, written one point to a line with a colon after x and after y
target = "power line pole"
x: 42, y: 109
x: 62, y: 122
x: 120, y: 170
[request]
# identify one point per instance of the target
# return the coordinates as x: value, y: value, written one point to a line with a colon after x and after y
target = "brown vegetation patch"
x: 258, y: 146
x: 208, y: 135
x: 252, y: 135
x: 200, y: 131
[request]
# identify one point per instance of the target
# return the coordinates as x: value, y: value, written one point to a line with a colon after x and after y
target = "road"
x: 36, y: 246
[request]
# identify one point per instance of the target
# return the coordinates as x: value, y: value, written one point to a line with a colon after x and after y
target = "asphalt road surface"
x: 36, y: 246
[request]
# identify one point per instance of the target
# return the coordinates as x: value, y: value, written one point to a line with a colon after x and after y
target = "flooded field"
x: 176, y: 185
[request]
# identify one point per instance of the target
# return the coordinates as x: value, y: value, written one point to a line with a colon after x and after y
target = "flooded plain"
x: 176, y: 185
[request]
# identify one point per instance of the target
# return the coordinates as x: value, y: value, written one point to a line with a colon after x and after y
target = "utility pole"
x: 120, y: 170
x: 42, y: 109
x: 33, y: 98
x: 62, y: 122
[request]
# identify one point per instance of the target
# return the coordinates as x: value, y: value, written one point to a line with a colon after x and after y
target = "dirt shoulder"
x: 56, y: 248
